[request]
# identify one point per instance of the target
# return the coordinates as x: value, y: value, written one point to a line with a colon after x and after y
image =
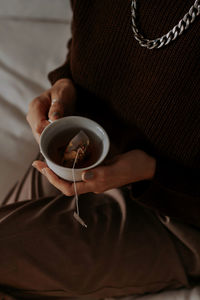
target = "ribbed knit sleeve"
x: 174, y: 191
x: 178, y: 178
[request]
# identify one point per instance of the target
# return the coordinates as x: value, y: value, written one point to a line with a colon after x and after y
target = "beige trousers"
x: 126, y: 249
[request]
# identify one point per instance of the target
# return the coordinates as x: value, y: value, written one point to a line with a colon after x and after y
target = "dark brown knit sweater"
x: 145, y: 99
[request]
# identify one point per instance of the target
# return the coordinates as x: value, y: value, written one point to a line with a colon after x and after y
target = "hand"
x: 41, y: 108
x: 126, y: 168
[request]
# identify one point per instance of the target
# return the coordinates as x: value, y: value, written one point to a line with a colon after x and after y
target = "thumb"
x: 88, y: 175
x: 97, y: 180
x: 56, y: 110
x: 97, y: 174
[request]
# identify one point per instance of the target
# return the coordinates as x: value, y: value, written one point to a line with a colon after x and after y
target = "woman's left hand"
x: 126, y: 168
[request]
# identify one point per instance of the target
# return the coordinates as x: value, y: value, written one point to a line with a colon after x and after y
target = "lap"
x: 31, y: 186
x: 45, y: 252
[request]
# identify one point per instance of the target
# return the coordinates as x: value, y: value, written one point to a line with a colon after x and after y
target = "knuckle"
x: 61, y: 83
x: 34, y: 102
x: 37, y: 101
x: 38, y: 128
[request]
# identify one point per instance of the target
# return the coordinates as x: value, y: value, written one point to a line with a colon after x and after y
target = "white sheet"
x: 29, y: 50
x: 39, y: 9
x: 33, y: 37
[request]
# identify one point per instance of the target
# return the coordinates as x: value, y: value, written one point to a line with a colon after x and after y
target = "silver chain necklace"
x: 171, y: 35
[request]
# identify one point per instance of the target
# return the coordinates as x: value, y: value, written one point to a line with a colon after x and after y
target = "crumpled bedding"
x: 33, y: 42
x: 30, y: 48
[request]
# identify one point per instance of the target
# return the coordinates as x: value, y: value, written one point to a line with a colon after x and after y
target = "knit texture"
x: 152, y: 95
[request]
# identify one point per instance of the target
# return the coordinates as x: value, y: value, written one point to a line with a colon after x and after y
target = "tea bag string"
x: 74, y: 182
x: 76, y: 214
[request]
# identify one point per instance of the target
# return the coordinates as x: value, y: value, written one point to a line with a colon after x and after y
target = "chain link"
x: 177, y: 30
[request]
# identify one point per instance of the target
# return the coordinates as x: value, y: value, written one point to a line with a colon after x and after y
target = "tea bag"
x: 79, y: 142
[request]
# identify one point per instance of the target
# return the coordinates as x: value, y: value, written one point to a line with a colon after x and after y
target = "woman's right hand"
x: 53, y: 104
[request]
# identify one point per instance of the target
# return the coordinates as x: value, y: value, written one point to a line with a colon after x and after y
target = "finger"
x: 103, y: 178
x: 37, y: 114
x: 58, y: 98
x: 39, y: 165
x: 98, y: 173
x: 96, y: 180
x: 63, y: 97
x: 64, y: 186
x: 56, y: 110
x: 95, y: 184
x: 38, y: 130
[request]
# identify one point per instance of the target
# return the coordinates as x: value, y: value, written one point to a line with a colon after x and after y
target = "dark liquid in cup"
x: 59, y: 143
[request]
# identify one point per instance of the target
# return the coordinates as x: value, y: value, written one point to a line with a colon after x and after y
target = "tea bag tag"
x: 78, y: 219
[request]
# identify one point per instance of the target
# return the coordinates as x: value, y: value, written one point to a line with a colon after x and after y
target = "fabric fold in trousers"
x: 126, y: 249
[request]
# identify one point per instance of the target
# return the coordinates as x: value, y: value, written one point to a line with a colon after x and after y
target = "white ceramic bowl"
x: 66, y: 123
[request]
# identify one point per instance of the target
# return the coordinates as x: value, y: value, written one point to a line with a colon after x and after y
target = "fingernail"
x: 34, y: 164
x: 88, y: 175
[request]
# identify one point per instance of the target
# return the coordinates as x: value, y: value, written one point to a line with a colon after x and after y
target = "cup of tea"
x: 57, y: 135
